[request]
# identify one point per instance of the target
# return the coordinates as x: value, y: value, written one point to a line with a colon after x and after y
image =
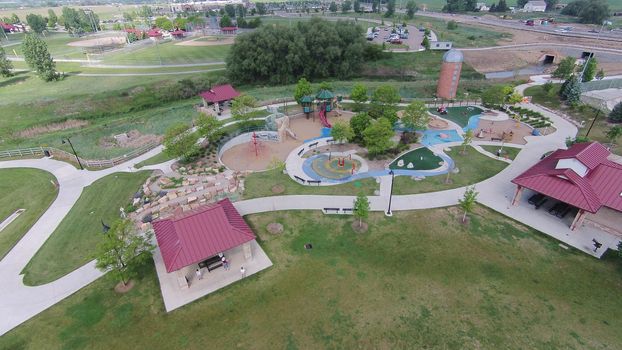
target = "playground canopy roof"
x: 178, y: 32
x: 7, y: 26
x: 581, y: 176
x: 219, y: 93
x: 307, y: 99
x: 199, y: 234
x: 154, y: 32
x: 324, y: 95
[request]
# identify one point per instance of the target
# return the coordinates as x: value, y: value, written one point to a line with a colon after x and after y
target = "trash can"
x: 46, y: 153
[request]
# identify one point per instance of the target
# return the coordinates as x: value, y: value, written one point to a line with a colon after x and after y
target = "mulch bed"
x: 124, y: 288
x: 359, y: 229
x: 275, y: 228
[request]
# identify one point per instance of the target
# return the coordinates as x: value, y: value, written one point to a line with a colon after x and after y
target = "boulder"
x: 192, y: 199
x: 171, y: 195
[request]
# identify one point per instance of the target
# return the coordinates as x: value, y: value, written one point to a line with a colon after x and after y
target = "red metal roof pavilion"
x: 219, y: 93
x: 200, y: 234
x: 590, y: 184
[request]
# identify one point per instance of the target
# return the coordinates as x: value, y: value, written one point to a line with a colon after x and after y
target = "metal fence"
x: 601, y: 85
x: 89, y: 163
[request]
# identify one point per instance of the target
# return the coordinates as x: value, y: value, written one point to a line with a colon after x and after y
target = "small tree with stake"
x: 123, y: 250
x: 361, y: 209
x: 468, y: 138
x: 614, y: 133
x: 467, y: 203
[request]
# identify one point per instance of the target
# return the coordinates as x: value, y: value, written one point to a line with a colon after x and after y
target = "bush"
x: 408, y: 137
x: 451, y: 25
x: 616, y: 113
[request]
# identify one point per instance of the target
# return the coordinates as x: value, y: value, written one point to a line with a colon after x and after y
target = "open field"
x: 473, y: 167
x: 57, y: 46
x: 73, y: 242
x: 157, y: 159
x: 103, y: 11
x: 168, y: 53
x: 29, y: 189
x: 417, y: 280
x: 260, y: 184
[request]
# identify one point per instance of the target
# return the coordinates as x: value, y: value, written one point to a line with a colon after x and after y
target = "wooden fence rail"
x: 90, y: 163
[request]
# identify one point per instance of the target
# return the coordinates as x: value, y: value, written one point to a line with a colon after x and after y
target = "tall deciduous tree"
x: 230, y: 10
x: 332, y: 7
x: 359, y: 96
x: 361, y: 208
x: 261, y: 8
x: 36, y: 22
x: 467, y: 202
x: 384, y: 103
x: 467, y: 139
x: 346, y: 6
x: 359, y: 122
x: 180, y: 141
x: 426, y: 43
x: 356, y: 6
x: 303, y: 88
x: 209, y: 127
x: 341, y: 132
x: 164, y: 23
x: 590, y: 69
x: 614, y: 133
x: 416, y: 116
x: 390, y: 8
x: 411, y: 8
x: 52, y: 18
x: 225, y: 21
x: 565, y: 69
x: 38, y: 58
x: 377, y: 136
x: 242, y: 107
x: 122, y: 250
x: 616, y: 113
x: 5, y: 64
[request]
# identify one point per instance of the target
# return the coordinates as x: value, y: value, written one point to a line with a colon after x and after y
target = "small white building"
x: 441, y: 45
x: 535, y: 6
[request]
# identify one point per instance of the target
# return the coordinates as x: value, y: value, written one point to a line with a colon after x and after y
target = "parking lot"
x: 412, y: 43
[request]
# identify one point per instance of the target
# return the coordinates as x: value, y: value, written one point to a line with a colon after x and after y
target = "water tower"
x: 450, y: 74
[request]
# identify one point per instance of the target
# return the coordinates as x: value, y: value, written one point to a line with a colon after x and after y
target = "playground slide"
x: 323, y: 119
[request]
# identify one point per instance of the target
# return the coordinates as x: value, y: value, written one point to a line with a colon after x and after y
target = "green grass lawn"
x: 586, y: 114
x: 473, y: 168
x: 169, y: 53
x: 422, y: 159
x: 418, y: 280
x: 458, y: 115
x: 260, y: 185
x: 73, y: 242
x: 157, y: 159
x: 23, y: 188
x: 57, y: 46
x: 508, y: 152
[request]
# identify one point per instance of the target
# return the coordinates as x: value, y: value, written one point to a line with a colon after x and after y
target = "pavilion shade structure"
x: 200, y: 234
x: 219, y: 93
x: 581, y: 176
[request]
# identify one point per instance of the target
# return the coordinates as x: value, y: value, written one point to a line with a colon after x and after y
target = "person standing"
x: 243, y: 271
x: 199, y: 274
x: 225, y: 263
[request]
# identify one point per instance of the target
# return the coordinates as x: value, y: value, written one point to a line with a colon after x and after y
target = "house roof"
x: 307, y: 99
x: 600, y: 186
x: 7, y: 26
x: 178, y: 32
x: 536, y: 3
x: 200, y: 234
x: 219, y: 93
x: 154, y: 32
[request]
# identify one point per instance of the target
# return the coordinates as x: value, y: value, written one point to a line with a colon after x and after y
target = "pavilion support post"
x: 248, y: 252
x: 181, y: 279
x: 578, y: 220
x: 517, y: 195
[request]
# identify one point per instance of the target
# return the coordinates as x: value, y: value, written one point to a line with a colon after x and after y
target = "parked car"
x: 396, y: 41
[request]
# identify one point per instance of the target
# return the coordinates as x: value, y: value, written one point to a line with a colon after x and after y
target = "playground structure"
x: 280, y: 123
x: 323, y: 109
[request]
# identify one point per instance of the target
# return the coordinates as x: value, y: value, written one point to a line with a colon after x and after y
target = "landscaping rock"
x: 171, y: 195
x: 192, y: 199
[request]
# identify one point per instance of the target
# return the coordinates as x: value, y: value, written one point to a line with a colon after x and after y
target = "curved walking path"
x: 18, y: 302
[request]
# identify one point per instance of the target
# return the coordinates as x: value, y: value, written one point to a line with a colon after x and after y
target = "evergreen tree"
x: 38, y: 58
x: 261, y: 8
x: 346, y: 6
x: 5, y: 64
x: 332, y: 7
x: 502, y: 6
x: 426, y: 43
x: 616, y: 113
x: 572, y: 90
x: 356, y: 5
x: 565, y: 69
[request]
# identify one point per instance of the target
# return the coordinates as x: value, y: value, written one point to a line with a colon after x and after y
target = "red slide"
x: 323, y: 119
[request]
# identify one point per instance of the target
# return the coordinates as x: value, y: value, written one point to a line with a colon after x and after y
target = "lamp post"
x: 67, y: 140
x: 389, y: 213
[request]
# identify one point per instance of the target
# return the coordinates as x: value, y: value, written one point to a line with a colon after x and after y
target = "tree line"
x: 317, y: 49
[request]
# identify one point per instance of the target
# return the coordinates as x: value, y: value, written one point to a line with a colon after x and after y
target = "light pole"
x: 389, y: 213
x: 67, y: 140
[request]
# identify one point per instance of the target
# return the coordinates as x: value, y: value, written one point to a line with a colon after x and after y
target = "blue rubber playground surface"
x: 433, y: 137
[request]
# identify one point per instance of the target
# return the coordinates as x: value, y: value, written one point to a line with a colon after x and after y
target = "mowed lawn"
x: 168, y: 53
x: 57, y: 46
x: 473, y: 167
x: 507, y: 152
x: 73, y: 242
x: 418, y: 280
x: 260, y: 184
x: 23, y: 188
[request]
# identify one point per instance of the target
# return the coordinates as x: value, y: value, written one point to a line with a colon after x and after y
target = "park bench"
x: 331, y: 209
x: 301, y: 152
x: 211, y: 263
x: 311, y: 182
x: 299, y: 178
x: 313, y: 144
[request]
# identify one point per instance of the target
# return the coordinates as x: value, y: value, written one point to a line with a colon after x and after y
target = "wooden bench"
x: 211, y: 263
x: 318, y: 182
x: 299, y: 179
x: 331, y: 209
